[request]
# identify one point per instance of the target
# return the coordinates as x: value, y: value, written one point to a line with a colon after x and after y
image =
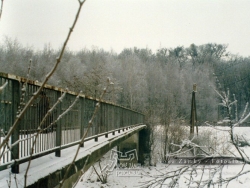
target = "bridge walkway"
x: 48, y: 171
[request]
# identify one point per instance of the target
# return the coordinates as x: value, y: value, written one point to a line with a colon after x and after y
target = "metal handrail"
x: 68, y: 130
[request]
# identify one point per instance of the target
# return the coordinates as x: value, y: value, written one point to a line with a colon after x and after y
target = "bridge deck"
x: 51, y: 169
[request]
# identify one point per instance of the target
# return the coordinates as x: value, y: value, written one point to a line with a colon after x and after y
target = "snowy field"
x: 220, y: 140
x: 49, y: 163
x: 89, y: 180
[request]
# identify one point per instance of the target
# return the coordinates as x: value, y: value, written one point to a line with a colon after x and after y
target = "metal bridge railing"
x: 66, y: 132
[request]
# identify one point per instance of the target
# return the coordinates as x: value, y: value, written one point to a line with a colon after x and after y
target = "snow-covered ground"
x: 89, y: 180
x: 220, y: 140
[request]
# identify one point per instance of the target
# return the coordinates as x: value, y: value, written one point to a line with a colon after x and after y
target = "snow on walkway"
x: 42, y: 166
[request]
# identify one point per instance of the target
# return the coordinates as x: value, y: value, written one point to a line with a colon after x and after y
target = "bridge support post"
x: 144, y: 148
x: 81, y: 119
x: 138, y: 142
x: 15, y: 135
x: 59, y: 128
x: 128, y: 150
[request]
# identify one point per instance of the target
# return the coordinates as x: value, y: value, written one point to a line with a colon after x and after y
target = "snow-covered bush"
x: 165, y: 140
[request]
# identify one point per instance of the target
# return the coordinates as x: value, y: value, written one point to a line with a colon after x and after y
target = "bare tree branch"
x: 35, y: 95
x: 1, y: 9
x: 97, y: 107
x: 41, y: 130
x: 3, y: 86
x: 197, y: 178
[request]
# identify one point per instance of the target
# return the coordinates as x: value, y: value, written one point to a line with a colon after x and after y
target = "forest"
x: 159, y: 84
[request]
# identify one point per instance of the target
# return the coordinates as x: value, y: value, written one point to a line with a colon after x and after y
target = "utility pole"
x: 193, y: 118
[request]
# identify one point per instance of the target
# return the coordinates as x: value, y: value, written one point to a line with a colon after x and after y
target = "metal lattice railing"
x: 66, y: 132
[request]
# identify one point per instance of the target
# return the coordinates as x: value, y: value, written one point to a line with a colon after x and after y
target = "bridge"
x: 53, y: 143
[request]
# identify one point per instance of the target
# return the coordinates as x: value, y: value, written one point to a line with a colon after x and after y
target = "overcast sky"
x: 119, y: 24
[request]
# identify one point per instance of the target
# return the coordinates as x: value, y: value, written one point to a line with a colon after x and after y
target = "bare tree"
x: 196, y: 172
x: 35, y: 95
x: 133, y: 81
x: 24, y: 106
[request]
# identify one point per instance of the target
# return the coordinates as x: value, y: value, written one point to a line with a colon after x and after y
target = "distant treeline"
x: 158, y: 84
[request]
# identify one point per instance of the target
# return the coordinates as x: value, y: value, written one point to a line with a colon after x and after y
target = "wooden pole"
x: 193, y: 112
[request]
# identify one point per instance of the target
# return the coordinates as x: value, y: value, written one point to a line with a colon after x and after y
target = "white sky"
x: 116, y: 24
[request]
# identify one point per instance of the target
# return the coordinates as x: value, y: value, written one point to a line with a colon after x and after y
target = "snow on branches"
x: 198, y: 173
